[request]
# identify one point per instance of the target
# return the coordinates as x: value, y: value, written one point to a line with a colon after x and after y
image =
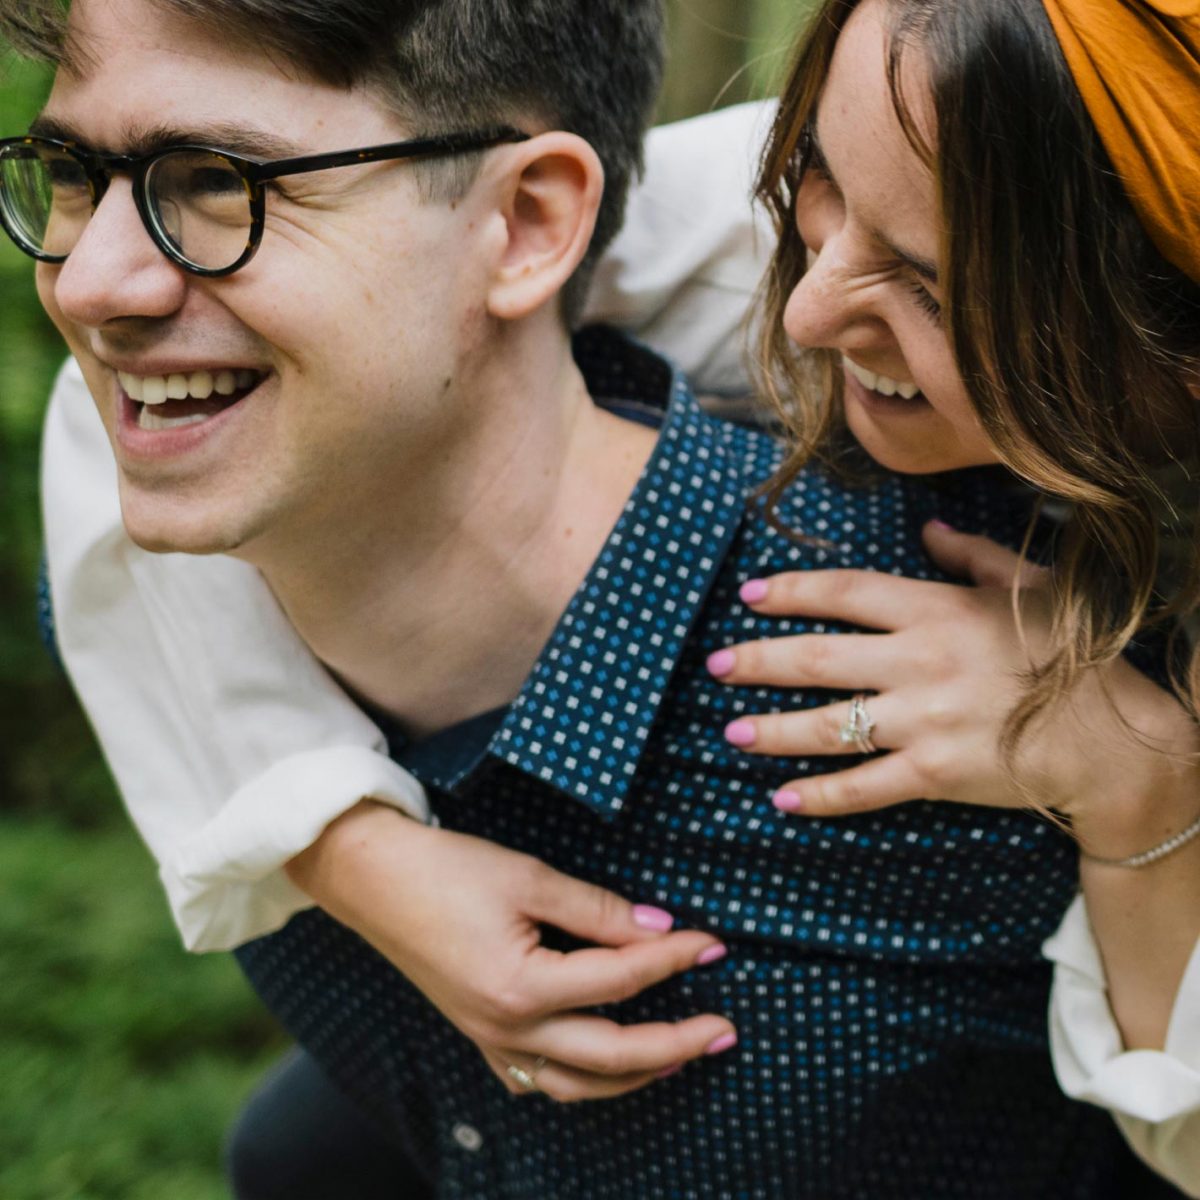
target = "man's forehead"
x: 140, y: 76
x: 103, y: 32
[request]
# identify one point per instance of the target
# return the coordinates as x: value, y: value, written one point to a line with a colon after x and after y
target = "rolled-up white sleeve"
x: 683, y: 273
x: 1153, y: 1094
x: 231, y: 746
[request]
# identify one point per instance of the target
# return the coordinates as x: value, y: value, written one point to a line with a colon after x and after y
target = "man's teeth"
x: 880, y: 383
x: 198, y: 385
x: 147, y: 418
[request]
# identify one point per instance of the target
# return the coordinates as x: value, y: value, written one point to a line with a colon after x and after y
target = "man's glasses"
x: 203, y: 208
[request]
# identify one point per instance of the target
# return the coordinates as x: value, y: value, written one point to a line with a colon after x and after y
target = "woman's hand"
x: 461, y: 917
x: 941, y: 677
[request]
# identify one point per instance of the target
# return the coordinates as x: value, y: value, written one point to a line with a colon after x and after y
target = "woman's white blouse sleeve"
x: 684, y: 270
x: 231, y: 746
x: 1154, y: 1094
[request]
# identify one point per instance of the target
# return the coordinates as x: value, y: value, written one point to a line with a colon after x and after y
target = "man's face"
x: 342, y: 337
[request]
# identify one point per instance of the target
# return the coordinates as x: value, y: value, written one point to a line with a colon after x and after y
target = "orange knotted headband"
x: 1137, y: 66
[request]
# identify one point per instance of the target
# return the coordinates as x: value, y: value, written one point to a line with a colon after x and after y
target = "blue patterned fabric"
x: 884, y: 970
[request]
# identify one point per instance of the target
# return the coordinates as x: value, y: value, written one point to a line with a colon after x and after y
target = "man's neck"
x: 432, y: 598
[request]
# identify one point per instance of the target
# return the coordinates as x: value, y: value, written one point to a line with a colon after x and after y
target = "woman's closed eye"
x: 926, y: 301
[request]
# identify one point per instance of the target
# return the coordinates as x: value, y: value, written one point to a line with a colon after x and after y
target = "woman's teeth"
x: 880, y: 383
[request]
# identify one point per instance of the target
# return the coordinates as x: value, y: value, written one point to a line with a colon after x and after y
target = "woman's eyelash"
x: 925, y: 301
x: 811, y: 158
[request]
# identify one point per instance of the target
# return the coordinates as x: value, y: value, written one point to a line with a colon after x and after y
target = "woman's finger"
x: 598, y: 1046
x: 875, y: 784
x: 819, y: 731
x: 557, y: 1081
x: 984, y: 562
x: 868, y: 598
x: 555, y: 982
x: 847, y: 661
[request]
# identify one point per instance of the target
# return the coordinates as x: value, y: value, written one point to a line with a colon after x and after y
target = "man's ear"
x: 551, y: 191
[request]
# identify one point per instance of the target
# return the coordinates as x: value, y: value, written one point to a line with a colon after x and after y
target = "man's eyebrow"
x: 817, y: 160
x: 139, y: 141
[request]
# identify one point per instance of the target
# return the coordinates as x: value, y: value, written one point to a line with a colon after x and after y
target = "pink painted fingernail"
x: 754, y: 591
x: 711, y: 955
x: 667, y: 1072
x: 721, y: 663
x: 741, y: 733
x: 726, y: 1041
x: 787, y: 801
x: 648, y: 917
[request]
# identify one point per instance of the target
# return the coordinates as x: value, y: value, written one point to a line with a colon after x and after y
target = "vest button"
x: 468, y: 1137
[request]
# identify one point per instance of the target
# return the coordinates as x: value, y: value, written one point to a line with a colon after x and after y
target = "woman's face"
x: 867, y: 211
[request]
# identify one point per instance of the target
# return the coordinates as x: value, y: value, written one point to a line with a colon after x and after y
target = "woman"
x: 1013, y: 236
x: 882, y: 431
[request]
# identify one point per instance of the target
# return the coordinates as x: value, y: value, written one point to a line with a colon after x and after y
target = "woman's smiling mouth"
x: 880, y: 384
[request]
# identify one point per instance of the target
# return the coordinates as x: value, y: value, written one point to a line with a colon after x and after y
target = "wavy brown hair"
x: 1078, y: 344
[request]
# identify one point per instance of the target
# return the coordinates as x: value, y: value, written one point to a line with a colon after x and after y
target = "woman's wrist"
x: 1140, y: 812
x: 336, y: 868
x: 1143, y: 786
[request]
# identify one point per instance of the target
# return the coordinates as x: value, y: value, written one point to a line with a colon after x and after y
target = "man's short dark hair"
x: 591, y: 67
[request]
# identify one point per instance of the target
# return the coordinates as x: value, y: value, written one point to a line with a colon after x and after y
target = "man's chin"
x: 166, y: 521
x: 157, y: 537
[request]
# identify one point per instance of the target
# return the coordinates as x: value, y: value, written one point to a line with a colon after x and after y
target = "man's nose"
x: 115, y: 270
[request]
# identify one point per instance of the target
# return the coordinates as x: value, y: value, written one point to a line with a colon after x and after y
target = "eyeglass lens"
x: 197, y: 201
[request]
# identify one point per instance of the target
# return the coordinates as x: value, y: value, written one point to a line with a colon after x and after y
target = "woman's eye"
x: 927, y: 303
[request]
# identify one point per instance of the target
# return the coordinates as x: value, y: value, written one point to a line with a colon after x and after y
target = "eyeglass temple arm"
x: 429, y: 147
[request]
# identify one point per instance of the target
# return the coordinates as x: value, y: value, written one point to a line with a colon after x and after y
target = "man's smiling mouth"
x: 172, y: 401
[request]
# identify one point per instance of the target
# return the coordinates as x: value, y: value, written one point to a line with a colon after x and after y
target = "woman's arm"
x: 230, y: 745
x: 245, y: 769
x: 1154, y: 1095
x: 683, y: 272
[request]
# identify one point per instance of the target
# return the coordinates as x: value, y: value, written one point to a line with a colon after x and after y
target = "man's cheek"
x: 46, y: 278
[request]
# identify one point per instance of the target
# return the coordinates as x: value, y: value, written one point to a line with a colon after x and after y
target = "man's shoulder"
x: 824, y: 520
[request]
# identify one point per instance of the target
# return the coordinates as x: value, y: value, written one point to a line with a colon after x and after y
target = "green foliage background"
x: 121, y: 1057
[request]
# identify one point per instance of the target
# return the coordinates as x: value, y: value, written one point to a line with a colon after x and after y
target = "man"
x: 367, y: 391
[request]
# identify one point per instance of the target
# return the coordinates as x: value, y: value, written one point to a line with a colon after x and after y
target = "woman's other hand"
x: 461, y: 918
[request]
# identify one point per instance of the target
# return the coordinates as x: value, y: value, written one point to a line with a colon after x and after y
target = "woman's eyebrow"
x: 926, y: 269
x: 922, y: 266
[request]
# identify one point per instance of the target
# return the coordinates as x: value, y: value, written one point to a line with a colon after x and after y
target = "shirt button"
x: 468, y: 1137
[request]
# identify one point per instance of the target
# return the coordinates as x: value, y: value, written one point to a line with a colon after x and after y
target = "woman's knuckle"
x: 934, y: 764
x: 750, y: 658
x: 830, y: 722
x: 568, y: 1091
x: 815, y: 657
x: 848, y: 795
x: 611, y: 1062
x: 941, y: 714
x: 511, y: 1006
x: 627, y: 982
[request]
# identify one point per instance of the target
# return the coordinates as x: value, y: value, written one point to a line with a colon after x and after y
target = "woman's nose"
x: 831, y: 306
